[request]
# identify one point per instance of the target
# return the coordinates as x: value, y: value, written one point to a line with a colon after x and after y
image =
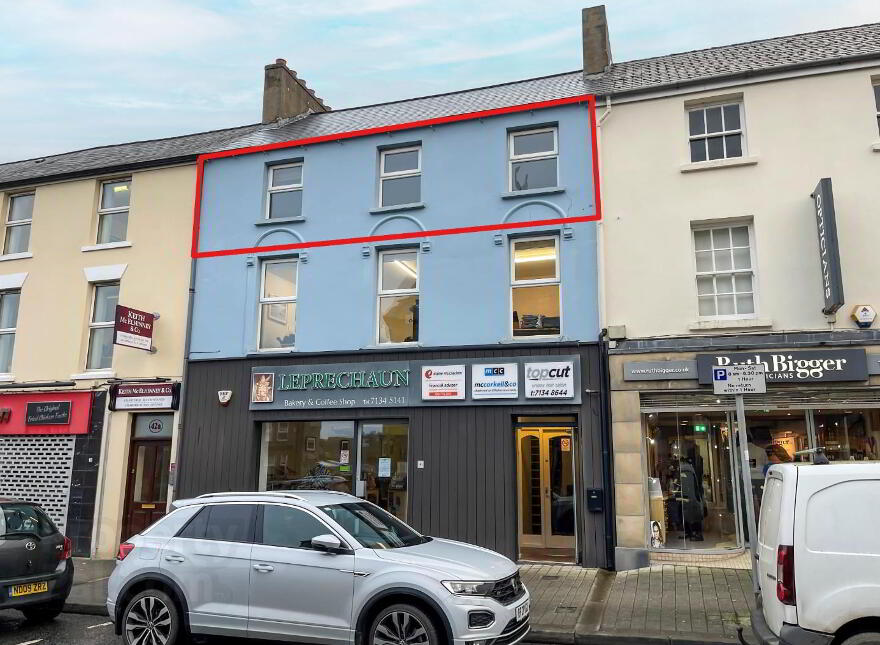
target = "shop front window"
x: 691, y: 485
x: 307, y: 455
x: 848, y: 435
x: 384, y: 448
x: 774, y: 436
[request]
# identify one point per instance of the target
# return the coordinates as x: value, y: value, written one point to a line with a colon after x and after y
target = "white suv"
x: 309, y: 566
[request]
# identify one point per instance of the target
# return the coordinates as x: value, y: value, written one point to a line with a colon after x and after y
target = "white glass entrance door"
x: 384, y: 446
x: 546, y: 483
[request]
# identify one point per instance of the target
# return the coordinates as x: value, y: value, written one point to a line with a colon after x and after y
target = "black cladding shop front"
x: 498, y: 447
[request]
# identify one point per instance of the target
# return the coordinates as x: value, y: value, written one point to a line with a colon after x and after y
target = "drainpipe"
x: 607, y: 451
x: 183, y: 382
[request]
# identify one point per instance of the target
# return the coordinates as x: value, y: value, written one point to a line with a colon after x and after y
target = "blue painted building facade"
x: 464, y: 279
x: 450, y: 375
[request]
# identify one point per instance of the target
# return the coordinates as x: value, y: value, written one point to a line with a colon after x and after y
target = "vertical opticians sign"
x: 133, y: 328
x: 829, y: 252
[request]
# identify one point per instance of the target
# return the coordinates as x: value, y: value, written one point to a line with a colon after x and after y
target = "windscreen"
x: 373, y: 527
x: 23, y: 520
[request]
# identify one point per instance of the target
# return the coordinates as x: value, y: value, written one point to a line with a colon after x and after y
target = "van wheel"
x: 43, y: 613
x: 865, y: 638
x: 151, y: 618
x: 403, y: 625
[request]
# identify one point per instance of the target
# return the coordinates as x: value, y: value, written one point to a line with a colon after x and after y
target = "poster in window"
x: 278, y: 313
x: 311, y: 444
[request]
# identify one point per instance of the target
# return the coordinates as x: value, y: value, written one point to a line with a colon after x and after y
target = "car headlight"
x: 463, y: 588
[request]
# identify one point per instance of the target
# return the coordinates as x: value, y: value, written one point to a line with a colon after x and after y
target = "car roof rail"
x: 250, y: 493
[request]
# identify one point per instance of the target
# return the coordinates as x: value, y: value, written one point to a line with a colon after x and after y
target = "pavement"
x: 665, y: 604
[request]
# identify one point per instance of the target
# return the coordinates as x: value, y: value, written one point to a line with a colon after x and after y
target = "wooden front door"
x: 147, y: 489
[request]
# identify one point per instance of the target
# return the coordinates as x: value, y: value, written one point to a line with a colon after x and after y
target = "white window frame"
x: 262, y: 300
x: 23, y: 222
x: 110, y: 211
x: 98, y: 325
x: 875, y: 87
x: 10, y: 330
x: 417, y: 172
x: 752, y: 271
x: 535, y: 156
x: 710, y: 135
x: 514, y: 283
x: 286, y: 188
x: 380, y: 293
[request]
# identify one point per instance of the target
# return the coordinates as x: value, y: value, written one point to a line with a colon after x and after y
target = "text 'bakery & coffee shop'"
x: 500, y: 447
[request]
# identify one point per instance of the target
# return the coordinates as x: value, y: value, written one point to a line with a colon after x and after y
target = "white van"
x: 819, y: 555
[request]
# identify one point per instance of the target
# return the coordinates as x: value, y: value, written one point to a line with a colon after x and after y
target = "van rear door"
x: 776, y: 526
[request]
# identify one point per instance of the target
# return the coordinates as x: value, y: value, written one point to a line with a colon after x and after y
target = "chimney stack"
x: 285, y: 95
x: 597, y: 46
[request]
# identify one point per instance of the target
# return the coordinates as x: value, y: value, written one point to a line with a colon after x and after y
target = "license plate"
x: 31, y: 587
x: 522, y: 611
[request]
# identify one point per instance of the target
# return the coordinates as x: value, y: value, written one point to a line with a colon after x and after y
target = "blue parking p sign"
x: 720, y: 374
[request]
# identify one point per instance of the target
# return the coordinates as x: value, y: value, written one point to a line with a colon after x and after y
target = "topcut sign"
x: 133, y: 328
x: 829, y: 252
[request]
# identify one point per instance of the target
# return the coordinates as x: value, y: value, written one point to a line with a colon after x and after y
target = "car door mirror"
x: 328, y: 543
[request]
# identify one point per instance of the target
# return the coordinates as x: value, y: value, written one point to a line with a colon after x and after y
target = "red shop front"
x: 49, y: 454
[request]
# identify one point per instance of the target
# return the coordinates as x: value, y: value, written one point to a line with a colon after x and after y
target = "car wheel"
x: 403, y: 625
x: 43, y: 613
x: 151, y: 618
x: 866, y: 638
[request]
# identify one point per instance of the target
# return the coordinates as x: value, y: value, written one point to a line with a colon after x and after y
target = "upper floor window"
x: 113, y: 211
x: 285, y: 191
x: 18, y: 223
x: 399, y: 296
x: 725, y: 271
x: 400, y: 176
x: 716, y: 132
x: 534, y: 286
x: 105, y: 299
x: 877, y: 101
x: 278, y: 304
x: 8, y: 322
x: 534, y: 156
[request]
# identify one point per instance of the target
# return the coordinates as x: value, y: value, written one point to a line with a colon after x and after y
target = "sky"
x: 81, y: 73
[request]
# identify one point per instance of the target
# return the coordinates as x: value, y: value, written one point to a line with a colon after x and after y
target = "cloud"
x: 78, y: 73
x: 152, y: 27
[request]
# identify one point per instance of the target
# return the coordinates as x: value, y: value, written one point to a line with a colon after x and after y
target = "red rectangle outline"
x: 590, y: 99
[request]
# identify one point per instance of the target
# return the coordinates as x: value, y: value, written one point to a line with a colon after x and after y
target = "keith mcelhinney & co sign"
x: 400, y: 384
x: 793, y: 367
x: 133, y: 328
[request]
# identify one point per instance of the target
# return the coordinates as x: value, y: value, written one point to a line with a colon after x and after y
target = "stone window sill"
x: 876, y: 147
x: 16, y: 256
x: 280, y: 220
x: 732, y: 323
x: 397, y: 207
x: 109, y: 245
x: 719, y: 163
x: 94, y: 375
x: 533, y: 192
x: 7, y: 378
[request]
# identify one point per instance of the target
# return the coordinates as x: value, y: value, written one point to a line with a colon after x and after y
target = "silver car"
x: 309, y: 566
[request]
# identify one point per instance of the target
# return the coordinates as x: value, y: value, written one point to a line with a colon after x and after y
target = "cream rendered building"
x: 711, y: 255
x: 85, y: 231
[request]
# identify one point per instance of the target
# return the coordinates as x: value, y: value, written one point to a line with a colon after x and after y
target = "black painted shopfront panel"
x: 467, y: 488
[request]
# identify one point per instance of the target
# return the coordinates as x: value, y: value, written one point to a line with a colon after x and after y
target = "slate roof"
x: 743, y: 60
x: 123, y: 156
x: 630, y: 77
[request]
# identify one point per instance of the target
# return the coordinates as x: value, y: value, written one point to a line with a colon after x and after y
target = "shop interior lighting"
x: 403, y: 265
x: 120, y: 189
x: 534, y: 258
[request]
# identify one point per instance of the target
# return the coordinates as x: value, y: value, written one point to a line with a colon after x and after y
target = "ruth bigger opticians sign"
x: 793, y: 367
x: 402, y: 384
